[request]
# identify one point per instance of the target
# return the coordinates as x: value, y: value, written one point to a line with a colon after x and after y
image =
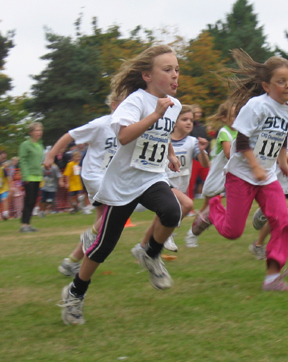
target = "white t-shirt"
x: 141, y: 163
x: 102, y: 147
x: 185, y: 149
x: 265, y: 122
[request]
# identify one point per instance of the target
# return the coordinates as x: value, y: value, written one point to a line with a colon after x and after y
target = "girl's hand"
x: 174, y: 164
x: 202, y: 143
x: 284, y: 169
x: 259, y: 173
x: 162, y: 105
x: 48, y: 162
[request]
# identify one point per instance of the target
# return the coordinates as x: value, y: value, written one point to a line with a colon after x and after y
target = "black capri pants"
x: 158, y: 198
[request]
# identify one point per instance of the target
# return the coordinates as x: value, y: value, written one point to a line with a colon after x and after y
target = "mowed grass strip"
x: 216, y: 310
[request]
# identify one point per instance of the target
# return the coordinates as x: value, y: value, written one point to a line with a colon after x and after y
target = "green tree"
x: 199, y: 83
x: 282, y: 52
x: 6, y: 43
x: 13, y: 123
x: 240, y: 30
x: 72, y: 89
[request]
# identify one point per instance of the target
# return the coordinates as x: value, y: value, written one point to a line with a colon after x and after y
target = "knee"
x: 170, y: 217
x: 186, y: 206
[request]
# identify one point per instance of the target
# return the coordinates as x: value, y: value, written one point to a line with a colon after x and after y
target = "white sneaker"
x: 259, y: 219
x: 86, y: 211
x: 136, y: 251
x: 87, y: 239
x: 69, y: 269
x: 71, y: 307
x: 159, y: 276
x: 170, y: 244
x: 258, y: 251
x: 191, y: 240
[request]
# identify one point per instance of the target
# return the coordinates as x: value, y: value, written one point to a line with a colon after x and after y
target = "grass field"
x: 216, y: 310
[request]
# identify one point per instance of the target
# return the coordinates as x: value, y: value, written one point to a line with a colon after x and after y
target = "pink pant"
x: 230, y: 222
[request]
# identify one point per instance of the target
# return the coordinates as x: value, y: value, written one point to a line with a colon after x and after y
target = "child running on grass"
x: 102, y: 145
x: 215, y: 181
x: 186, y: 149
x: 260, y: 96
x: 143, y: 123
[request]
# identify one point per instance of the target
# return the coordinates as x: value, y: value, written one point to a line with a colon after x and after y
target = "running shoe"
x: 159, y: 276
x: 71, y: 307
x: 201, y: 222
x: 259, y: 219
x: 87, y: 238
x: 278, y: 284
x: 170, y: 244
x: 68, y: 268
x: 258, y: 251
x: 191, y: 240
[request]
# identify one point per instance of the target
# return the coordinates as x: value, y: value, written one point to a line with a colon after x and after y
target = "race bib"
x: 268, y: 146
x: 150, y: 152
x: 109, y: 154
x: 184, y: 170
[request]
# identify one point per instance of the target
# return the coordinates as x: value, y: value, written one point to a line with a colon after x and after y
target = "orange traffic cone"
x: 129, y: 224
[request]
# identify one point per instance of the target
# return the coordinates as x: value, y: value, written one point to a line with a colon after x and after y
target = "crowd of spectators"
x: 53, y: 195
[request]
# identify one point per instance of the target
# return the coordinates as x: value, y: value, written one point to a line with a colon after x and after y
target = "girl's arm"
x: 174, y: 163
x: 203, y: 156
x: 63, y: 142
x: 226, y: 148
x: 129, y: 133
x: 282, y: 160
x: 258, y: 171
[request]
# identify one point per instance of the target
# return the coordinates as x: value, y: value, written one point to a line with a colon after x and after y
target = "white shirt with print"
x: 141, y: 163
x: 265, y: 122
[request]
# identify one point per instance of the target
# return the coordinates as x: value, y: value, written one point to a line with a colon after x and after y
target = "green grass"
x: 216, y: 310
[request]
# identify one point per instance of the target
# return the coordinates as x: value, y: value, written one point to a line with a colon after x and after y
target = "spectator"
x: 5, y: 183
x: 73, y: 181
x: 17, y: 195
x: 30, y: 160
x: 52, y: 178
x: 199, y: 130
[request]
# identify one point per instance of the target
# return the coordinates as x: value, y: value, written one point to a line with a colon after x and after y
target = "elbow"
x: 123, y: 141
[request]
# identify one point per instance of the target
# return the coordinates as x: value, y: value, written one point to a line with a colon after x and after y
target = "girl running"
x: 261, y: 95
x: 143, y: 123
x: 215, y: 181
x: 186, y: 148
x: 102, y: 145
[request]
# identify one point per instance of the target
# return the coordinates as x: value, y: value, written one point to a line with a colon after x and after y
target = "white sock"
x: 270, y: 278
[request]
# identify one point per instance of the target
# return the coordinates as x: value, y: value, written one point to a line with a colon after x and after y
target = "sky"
x: 189, y: 17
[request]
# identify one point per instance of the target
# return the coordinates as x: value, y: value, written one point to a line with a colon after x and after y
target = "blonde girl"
x: 260, y: 96
x: 215, y: 181
x: 143, y: 123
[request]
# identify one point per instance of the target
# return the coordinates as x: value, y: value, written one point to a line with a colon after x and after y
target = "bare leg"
x: 263, y: 233
x: 87, y: 269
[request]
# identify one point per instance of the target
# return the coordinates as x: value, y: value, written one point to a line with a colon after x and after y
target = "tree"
x: 73, y: 88
x: 281, y: 52
x: 240, y: 30
x: 13, y: 123
x: 199, y: 82
x: 6, y: 43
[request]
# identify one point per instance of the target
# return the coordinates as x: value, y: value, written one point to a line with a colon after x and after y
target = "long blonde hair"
x: 129, y: 78
x: 252, y: 74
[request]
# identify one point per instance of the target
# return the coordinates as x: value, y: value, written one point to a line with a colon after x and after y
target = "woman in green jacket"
x: 30, y: 159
